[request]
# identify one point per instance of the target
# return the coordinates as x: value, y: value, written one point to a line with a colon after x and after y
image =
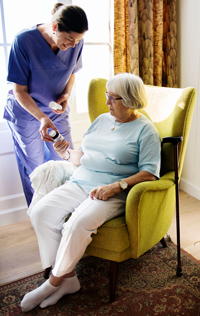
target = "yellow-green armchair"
x: 149, y: 205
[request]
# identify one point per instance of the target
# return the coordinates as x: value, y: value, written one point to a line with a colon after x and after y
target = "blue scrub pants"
x: 31, y: 151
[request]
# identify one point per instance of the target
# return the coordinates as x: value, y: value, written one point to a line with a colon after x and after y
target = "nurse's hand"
x: 46, y: 123
x: 61, y: 148
x: 62, y: 100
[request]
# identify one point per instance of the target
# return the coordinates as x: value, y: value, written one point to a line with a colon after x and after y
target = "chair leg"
x: 113, y: 279
x: 47, y: 272
x: 163, y: 242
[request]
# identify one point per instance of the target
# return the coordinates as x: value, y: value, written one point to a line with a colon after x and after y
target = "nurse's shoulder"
x: 25, y: 34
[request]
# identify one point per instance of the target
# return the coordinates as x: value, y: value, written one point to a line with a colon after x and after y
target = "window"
x: 97, y: 52
x: 16, y: 15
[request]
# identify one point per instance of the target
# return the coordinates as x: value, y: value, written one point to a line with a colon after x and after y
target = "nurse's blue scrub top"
x: 33, y: 63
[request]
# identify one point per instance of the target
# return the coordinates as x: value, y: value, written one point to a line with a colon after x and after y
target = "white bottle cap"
x: 55, y: 106
x: 53, y: 133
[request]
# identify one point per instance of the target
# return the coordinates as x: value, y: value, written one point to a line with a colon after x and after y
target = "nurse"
x: 42, y: 65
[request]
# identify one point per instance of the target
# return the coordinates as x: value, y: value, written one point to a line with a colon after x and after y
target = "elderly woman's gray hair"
x: 131, y: 88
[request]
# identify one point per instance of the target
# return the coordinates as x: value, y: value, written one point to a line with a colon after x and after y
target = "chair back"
x: 170, y: 109
x: 96, y: 98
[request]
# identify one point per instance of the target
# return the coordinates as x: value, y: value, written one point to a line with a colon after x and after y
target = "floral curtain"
x: 145, y: 40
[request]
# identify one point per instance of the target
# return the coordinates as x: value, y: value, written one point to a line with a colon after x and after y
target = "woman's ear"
x: 54, y: 26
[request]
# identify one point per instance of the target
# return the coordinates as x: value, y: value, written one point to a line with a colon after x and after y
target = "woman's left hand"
x: 105, y: 191
x: 62, y: 100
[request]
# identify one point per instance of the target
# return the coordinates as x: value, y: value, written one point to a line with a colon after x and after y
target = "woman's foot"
x: 35, y: 297
x: 68, y: 286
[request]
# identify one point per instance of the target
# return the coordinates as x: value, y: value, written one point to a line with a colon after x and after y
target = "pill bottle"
x: 55, y: 106
x: 57, y: 137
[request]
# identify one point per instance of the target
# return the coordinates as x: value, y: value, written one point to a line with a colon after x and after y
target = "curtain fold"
x: 121, y: 36
x: 145, y: 40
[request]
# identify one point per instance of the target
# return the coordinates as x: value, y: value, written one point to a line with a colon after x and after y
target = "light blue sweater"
x: 110, y: 156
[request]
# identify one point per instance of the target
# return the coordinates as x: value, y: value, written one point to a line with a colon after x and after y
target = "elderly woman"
x: 42, y: 66
x: 119, y: 150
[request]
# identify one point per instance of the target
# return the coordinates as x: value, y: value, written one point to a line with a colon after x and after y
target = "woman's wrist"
x: 67, y: 159
x: 116, y: 187
x: 41, y: 117
x: 66, y: 95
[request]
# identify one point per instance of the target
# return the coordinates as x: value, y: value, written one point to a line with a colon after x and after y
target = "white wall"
x: 12, y: 201
x: 189, y: 74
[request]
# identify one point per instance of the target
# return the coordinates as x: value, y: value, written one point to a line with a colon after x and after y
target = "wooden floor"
x: 19, y: 255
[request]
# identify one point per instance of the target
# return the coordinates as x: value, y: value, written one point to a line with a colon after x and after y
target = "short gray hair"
x: 131, y: 88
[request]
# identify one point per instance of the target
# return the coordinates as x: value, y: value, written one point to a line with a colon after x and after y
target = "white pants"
x: 61, y: 243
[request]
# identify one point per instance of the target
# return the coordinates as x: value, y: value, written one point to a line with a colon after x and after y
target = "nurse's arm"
x: 63, y: 98
x: 71, y: 155
x: 27, y: 103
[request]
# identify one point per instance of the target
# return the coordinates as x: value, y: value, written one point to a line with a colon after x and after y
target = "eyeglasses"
x: 111, y: 99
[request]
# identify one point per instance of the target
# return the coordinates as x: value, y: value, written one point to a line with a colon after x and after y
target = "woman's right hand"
x: 46, y: 123
x: 61, y: 148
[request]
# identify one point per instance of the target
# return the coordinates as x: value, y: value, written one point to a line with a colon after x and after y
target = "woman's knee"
x: 39, y: 214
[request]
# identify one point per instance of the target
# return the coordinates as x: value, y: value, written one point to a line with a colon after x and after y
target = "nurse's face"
x: 64, y: 40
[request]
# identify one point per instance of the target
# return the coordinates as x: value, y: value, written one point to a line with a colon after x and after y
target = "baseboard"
x: 190, y: 188
x: 13, y: 209
x: 14, y: 216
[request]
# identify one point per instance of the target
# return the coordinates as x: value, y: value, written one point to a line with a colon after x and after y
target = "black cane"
x: 175, y: 141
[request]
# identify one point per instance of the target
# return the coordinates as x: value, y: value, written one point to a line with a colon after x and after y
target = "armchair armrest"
x: 164, y: 183
x: 172, y: 140
x: 149, y: 212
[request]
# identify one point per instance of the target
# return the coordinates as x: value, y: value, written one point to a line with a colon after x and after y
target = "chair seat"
x: 109, y: 237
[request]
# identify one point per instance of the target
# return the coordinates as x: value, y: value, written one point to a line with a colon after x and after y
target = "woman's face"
x: 64, y: 40
x: 116, y: 107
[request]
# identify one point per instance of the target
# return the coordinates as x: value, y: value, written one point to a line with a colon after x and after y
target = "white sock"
x: 68, y: 286
x: 35, y: 297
